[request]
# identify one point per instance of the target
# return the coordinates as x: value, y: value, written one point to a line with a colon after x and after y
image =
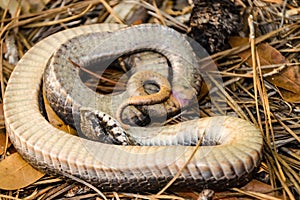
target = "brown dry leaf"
x: 11, y: 5
x: 26, y: 6
x: 253, y: 186
x: 37, y: 5
x: 3, y: 142
x: 16, y: 173
x: 55, y: 120
x: 188, y: 195
x: 3, y: 137
x: 288, y: 83
x: 260, y: 187
x: 267, y: 54
x: 285, y: 78
x: 274, y: 1
x: 292, y: 11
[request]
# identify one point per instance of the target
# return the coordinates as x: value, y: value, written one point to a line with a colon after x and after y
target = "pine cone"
x: 212, y: 22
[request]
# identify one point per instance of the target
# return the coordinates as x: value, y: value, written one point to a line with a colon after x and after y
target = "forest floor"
x: 257, y: 57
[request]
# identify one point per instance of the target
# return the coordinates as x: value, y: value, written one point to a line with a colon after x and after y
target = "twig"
x: 51, y: 23
x: 95, y: 75
x: 85, y: 183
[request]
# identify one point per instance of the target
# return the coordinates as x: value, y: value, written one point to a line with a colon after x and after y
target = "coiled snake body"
x: 231, y: 162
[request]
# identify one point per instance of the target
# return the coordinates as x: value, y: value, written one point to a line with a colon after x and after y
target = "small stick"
x: 94, y: 74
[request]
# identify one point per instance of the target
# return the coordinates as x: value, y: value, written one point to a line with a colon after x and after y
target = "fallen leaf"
x: 11, y: 49
x: 253, y: 186
x: 267, y: 54
x: 3, y: 140
x: 16, y: 173
x: 55, y: 120
x: 10, y: 5
x: 286, y: 78
x: 37, y: 5
x: 288, y: 83
x: 293, y: 11
x: 257, y: 186
x: 274, y: 1
x: 188, y: 195
x: 26, y: 6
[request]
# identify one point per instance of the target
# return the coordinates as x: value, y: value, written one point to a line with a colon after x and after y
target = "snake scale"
x: 231, y: 151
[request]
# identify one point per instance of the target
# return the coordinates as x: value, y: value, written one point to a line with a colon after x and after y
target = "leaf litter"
x: 260, y: 74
